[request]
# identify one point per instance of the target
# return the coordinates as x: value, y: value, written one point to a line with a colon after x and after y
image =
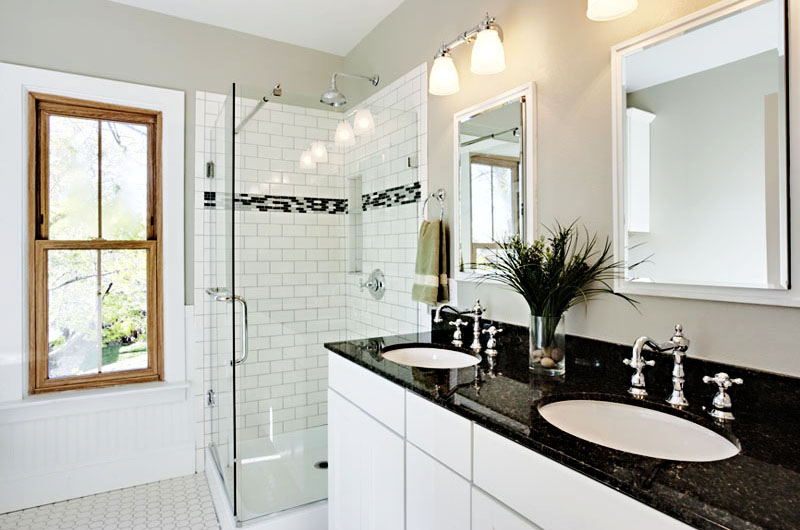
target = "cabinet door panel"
x: 438, y: 498
x: 365, y: 473
x: 488, y: 514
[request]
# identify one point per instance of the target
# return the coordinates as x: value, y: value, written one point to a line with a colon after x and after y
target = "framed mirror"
x: 701, y: 179
x: 494, y: 177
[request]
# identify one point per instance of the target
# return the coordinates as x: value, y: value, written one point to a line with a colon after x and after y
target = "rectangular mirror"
x: 493, y: 177
x: 701, y: 143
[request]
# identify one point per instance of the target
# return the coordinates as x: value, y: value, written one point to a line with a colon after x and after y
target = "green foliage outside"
x: 97, y: 299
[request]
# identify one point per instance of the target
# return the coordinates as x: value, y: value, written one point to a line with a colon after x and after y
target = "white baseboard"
x: 26, y: 492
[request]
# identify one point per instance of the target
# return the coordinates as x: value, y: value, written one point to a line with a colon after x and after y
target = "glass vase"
x: 547, y: 345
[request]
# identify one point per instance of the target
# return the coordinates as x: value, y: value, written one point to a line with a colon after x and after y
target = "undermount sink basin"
x: 638, y: 430
x: 426, y: 357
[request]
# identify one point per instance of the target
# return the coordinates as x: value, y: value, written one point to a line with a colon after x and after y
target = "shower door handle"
x: 243, y: 358
x: 223, y: 296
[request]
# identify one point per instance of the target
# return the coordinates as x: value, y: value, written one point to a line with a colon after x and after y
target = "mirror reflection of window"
x: 490, y: 181
x: 495, y: 203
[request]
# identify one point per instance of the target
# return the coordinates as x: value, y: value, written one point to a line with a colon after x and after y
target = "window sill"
x: 92, y: 400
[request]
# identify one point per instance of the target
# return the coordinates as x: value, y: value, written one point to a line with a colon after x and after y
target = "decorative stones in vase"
x: 547, y: 345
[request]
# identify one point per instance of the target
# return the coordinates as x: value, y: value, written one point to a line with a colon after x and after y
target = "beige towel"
x: 430, y: 278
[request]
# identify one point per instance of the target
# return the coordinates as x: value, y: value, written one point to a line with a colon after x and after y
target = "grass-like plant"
x: 558, y: 271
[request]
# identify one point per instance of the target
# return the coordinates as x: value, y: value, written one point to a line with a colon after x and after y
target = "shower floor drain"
x: 322, y: 464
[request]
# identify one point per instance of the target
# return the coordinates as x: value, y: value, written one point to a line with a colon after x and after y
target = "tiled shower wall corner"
x: 290, y: 250
x: 390, y: 231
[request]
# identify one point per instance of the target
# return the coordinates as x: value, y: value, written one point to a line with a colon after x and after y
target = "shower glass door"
x: 220, y: 308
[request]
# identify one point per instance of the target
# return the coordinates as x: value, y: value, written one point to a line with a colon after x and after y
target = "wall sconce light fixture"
x: 488, y: 57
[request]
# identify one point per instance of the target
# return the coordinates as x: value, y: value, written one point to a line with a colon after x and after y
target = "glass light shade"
x: 319, y: 153
x: 488, y: 56
x: 344, y: 134
x: 307, y: 160
x: 602, y: 10
x: 363, y: 123
x: 444, y: 77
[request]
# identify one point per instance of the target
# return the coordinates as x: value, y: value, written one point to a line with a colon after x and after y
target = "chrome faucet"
x: 722, y: 401
x: 678, y: 345
x: 476, y: 312
x: 677, y: 398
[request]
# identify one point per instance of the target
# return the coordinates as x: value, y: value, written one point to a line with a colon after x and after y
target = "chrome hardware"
x: 722, y: 401
x: 211, y: 398
x: 375, y: 284
x: 638, y: 363
x: 457, y: 335
x: 437, y: 318
x: 476, y: 312
x: 439, y: 195
x: 677, y: 343
x: 223, y: 296
x: 491, y: 344
x: 677, y: 398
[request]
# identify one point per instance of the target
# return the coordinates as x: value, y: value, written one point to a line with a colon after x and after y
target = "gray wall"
x: 708, y: 175
x: 109, y: 40
x: 553, y: 43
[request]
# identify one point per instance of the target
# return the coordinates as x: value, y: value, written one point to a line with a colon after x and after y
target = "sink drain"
x: 322, y: 464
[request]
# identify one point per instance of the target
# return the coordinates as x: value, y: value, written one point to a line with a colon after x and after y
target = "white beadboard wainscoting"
x: 64, y: 445
x: 53, y: 449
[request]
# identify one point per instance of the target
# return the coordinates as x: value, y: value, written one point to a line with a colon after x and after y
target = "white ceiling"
x: 333, y: 26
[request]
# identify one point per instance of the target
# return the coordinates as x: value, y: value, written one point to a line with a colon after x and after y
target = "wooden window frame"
x: 40, y: 107
x: 512, y: 163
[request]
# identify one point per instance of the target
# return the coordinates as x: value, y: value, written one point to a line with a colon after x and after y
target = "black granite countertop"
x: 757, y: 489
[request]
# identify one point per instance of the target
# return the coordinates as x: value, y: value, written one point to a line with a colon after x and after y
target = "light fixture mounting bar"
x: 488, y: 22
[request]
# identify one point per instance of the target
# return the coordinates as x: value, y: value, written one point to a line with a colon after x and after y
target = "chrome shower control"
x: 722, y: 401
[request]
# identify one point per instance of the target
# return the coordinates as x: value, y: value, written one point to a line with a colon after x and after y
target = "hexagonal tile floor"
x: 182, y: 503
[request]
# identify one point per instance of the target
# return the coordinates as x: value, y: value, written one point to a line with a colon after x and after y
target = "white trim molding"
x: 774, y: 297
x: 75, y: 443
x: 530, y: 211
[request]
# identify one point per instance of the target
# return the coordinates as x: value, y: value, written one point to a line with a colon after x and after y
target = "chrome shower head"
x: 334, y: 98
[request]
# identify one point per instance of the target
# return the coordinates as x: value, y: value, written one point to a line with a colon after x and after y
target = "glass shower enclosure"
x: 287, y: 245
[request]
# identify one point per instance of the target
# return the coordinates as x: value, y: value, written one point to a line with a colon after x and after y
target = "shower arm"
x: 375, y: 79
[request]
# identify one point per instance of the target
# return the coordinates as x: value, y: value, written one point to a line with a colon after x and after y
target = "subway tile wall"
x: 291, y: 266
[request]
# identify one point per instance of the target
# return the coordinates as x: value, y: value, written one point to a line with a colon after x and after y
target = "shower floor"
x: 278, y: 474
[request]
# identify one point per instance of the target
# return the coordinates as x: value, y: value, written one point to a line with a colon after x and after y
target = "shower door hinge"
x: 211, y: 399
x: 209, y: 170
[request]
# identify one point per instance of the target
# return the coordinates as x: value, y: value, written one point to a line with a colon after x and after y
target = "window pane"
x: 124, y: 166
x: 481, y: 203
x: 501, y: 202
x: 124, y: 295
x: 72, y: 170
x: 73, y: 330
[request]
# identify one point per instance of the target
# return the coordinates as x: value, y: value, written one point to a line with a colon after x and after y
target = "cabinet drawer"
x: 488, y: 514
x: 440, y: 433
x: 553, y: 496
x: 436, y: 497
x: 374, y: 395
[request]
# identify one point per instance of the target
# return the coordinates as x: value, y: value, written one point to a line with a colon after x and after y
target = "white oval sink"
x: 424, y: 357
x: 638, y: 430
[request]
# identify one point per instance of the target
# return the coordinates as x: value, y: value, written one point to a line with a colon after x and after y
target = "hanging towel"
x: 430, y: 275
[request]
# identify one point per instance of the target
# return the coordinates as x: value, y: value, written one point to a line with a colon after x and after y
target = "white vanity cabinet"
x: 398, y: 461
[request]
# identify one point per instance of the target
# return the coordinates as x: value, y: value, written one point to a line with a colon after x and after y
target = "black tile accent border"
x: 387, y: 198
x: 280, y: 203
x: 408, y: 194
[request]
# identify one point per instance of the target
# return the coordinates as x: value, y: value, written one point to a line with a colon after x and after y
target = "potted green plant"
x: 554, y: 273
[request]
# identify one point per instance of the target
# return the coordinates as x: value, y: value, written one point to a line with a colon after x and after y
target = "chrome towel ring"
x: 439, y: 195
